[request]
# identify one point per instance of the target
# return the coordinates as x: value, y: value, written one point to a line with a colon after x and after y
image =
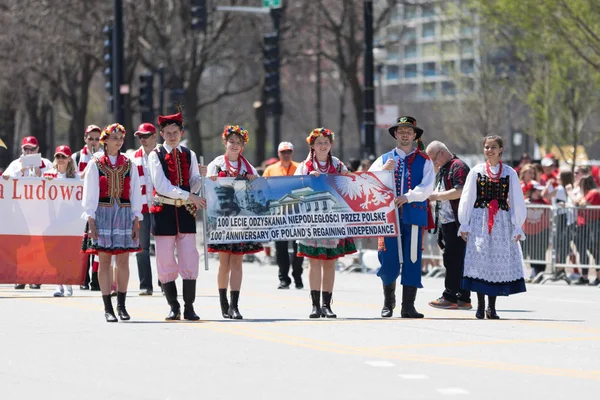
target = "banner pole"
x: 204, y: 216
x: 399, y: 217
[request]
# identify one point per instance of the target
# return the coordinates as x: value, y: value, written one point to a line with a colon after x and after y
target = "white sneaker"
x: 69, y: 291
x: 59, y: 291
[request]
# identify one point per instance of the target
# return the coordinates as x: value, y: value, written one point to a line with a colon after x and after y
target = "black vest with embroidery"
x: 488, y: 190
x: 172, y: 220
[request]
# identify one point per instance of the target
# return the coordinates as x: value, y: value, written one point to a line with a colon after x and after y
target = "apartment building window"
x: 410, y: 12
x: 448, y: 68
x: 428, y: 10
x: 409, y: 34
x: 430, y: 50
x: 428, y: 30
x: 467, y: 66
x: 466, y: 46
x: 392, y: 72
x: 429, y: 69
x: 410, y: 70
x: 448, y: 88
x: 448, y: 28
x: 393, y: 54
x: 410, y: 51
x: 449, y: 48
x: 466, y: 30
x: 429, y: 89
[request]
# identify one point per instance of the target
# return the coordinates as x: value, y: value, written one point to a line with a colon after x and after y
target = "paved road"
x: 546, y: 346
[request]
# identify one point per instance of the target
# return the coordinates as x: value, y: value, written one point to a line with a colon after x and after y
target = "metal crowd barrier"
x: 558, y: 237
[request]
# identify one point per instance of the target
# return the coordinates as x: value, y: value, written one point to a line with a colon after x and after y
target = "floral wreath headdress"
x: 319, y: 132
x: 235, y: 129
x: 109, y: 130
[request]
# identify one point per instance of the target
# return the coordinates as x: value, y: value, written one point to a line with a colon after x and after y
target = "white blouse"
x: 211, y: 169
x: 303, y: 169
x: 91, y: 191
x: 163, y: 185
x: 516, y: 201
x: 423, y: 190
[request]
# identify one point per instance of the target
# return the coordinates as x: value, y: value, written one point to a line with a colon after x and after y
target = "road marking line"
x: 380, y: 364
x: 413, y: 376
x: 452, y: 391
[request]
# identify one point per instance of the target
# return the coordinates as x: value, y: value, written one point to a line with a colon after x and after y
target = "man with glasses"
x: 91, y: 138
x: 451, y: 177
x: 146, y: 132
x: 286, y: 167
x: 29, y: 145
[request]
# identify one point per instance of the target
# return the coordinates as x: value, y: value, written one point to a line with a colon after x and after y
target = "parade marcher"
x: 232, y: 164
x: 322, y: 253
x: 588, y: 222
x: 29, y: 145
x: 63, y: 167
x: 286, y: 166
x: 112, y: 204
x: 176, y: 178
x: 415, y: 178
x: 146, y: 132
x: 450, y: 181
x: 491, y: 213
x: 91, y: 138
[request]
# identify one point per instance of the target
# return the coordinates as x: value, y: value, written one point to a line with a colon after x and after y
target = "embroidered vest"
x: 115, y: 181
x: 488, y: 190
x: 408, y: 174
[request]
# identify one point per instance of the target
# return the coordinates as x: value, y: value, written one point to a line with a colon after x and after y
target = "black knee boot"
x: 409, y: 294
x: 189, y: 296
x: 326, y: 309
x: 389, y: 301
x: 121, y: 310
x: 490, y: 313
x: 233, y: 311
x: 109, y: 312
x: 224, y: 303
x: 315, y: 296
x: 170, y: 291
x: 480, y: 313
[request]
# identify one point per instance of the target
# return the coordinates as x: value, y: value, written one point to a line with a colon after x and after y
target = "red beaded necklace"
x: 233, y: 171
x: 493, y: 177
x: 321, y: 169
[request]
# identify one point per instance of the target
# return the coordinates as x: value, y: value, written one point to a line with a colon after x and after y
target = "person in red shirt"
x: 536, y: 226
x: 588, y: 221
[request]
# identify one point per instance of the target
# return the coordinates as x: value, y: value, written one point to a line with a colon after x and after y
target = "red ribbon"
x: 492, y: 211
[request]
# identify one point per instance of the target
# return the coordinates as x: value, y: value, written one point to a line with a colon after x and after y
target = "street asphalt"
x: 546, y: 345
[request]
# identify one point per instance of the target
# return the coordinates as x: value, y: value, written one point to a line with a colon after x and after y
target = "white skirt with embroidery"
x: 495, y: 257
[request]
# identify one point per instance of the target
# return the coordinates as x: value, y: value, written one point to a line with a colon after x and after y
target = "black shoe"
x: 409, y: 294
x: 170, y: 291
x: 234, y: 312
x: 490, y: 313
x: 94, y: 288
x: 582, y: 281
x: 189, y: 313
x: 283, y: 285
x: 109, y: 312
x: 315, y: 295
x: 224, y: 303
x: 595, y: 282
x: 389, y: 302
x: 35, y: 286
x: 174, y: 315
x: 19, y: 287
x: 189, y: 297
x: 84, y: 287
x: 145, y: 292
x: 121, y: 310
x: 299, y: 285
x: 326, y: 311
x: 110, y: 316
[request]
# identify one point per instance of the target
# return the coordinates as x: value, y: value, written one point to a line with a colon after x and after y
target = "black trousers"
x: 283, y: 260
x: 454, y: 261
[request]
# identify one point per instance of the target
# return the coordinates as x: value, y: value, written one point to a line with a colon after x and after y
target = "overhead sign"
x: 272, y: 3
x: 386, y: 115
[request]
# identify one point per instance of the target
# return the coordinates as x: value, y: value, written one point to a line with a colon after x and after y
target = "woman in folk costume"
x: 322, y: 253
x: 63, y: 167
x: 491, y: 213
x: 112, y: 204
x: 232, y: 164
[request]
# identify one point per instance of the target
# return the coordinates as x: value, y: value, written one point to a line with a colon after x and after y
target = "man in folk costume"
x: 82, y: 158
x: 176, y: 177
x: 146, y: 132
x: 414, y: 178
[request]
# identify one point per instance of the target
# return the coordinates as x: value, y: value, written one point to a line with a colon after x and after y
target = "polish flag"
x: 41, y: 231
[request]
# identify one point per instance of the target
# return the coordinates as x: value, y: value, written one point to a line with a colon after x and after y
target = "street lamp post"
x: 369, y: 95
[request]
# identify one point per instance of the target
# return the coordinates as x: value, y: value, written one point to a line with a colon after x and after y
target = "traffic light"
x: 198, y: 11
x: 147, y: 96
x: 272, y: 65
x: 107, y: 31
